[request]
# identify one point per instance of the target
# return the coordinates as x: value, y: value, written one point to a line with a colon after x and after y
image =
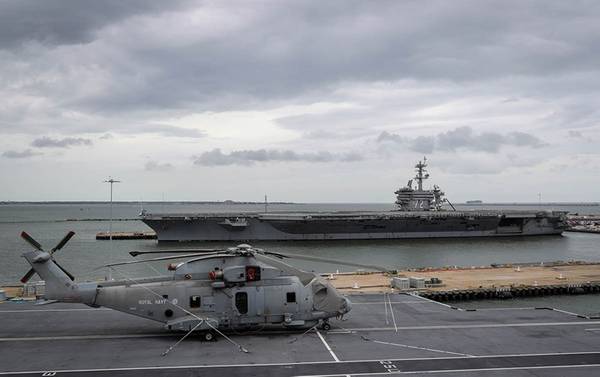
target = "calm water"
x: 83, y: 255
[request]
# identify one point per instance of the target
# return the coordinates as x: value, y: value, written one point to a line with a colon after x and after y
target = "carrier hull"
x: 352, y: 226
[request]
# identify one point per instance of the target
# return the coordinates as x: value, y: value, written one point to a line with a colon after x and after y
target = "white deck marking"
x: 298, y: 363
x: 385, y: 302
x: 458, y: 370
x: 501, y: 309
x: 481, y: 326
x: 566, y: 312
x: 344, y: 331
x: 85, y: 337
x: 505, y: 368
x: 385, y: 306
x: 328, y: 348
x: 432, y: 301
x: 421, y: 348
x: 392, y: 311
x: 56, y: 310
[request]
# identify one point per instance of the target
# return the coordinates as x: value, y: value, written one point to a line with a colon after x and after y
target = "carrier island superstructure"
x: 419, y: 213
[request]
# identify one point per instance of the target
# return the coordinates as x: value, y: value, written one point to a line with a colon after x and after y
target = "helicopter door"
x: 249, y: 303
x: 291, y: 301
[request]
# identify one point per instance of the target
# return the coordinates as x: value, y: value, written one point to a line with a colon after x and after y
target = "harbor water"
x: 84, y: 255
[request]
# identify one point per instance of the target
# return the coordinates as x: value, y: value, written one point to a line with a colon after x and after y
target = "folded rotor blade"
x: 332, y: 261
x: 31, y: 241
x: 62, y: 243
x: 212, y: 257
x: 65, y: 271
x: 272, y: 253
x: 304, y: 276
x: 158, y: 259
x: 27, y: 276
x: 135, y: 253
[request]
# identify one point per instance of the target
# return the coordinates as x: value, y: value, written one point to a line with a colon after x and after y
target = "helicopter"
x: 213, y: 290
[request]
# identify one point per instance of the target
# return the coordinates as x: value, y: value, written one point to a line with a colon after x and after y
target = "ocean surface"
x: 84, y: 256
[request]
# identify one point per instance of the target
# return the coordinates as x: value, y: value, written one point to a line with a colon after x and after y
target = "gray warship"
x: 419, y: 213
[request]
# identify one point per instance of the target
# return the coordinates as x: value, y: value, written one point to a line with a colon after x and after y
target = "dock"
x: 126, y: 236
x: 583, y: 223
x: 482, y: 282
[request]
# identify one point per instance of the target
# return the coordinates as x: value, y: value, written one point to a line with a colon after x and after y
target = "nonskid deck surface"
x: 415, y: 336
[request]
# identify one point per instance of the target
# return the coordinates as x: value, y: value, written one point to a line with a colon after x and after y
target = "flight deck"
x: 383, y: 334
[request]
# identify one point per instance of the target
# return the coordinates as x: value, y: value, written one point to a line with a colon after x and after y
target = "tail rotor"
x: 30, y: 240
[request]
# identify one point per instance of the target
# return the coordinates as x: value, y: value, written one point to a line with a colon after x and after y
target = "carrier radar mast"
x: 421, y: 173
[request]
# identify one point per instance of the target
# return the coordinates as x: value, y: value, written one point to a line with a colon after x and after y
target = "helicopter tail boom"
x: 60, y: 284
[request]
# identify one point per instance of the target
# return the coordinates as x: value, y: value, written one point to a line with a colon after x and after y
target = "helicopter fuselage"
x: 234, y: 292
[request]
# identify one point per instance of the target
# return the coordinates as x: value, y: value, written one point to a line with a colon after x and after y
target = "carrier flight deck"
x: 384, y: 334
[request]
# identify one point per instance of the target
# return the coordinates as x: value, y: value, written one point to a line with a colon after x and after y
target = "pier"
x: 482, y: 282
x: 126, y: 236
x: 583, y: 223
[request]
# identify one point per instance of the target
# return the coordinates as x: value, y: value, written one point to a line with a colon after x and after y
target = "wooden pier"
x: 126, y: 236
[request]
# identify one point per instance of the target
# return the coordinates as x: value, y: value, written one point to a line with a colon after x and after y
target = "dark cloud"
x: 387, y: 136
x: 423, y: 144
x: 24, y: 154
x: 60, y: 22
x: 47, y: 142
x: 255, y: 54
x: 154, y: 58
x: 464, y: 138
x: 157, y: 166
x: 249, y: 157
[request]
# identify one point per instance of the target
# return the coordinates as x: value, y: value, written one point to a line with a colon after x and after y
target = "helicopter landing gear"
x: 325, y: 326
x: 208, y: 336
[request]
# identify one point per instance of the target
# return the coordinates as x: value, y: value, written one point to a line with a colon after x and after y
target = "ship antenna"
x: 421, y: 173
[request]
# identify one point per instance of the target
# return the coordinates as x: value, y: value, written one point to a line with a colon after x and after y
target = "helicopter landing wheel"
x: 326, y: 326
x: 208, y: 336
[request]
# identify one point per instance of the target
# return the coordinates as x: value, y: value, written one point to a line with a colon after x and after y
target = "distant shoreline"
x: 580, y: 204
x: 232, y: 202
x: 224, y: 202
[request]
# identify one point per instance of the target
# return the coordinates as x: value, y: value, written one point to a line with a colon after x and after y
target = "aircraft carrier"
x: 420, y: 213
x: 384, y: 334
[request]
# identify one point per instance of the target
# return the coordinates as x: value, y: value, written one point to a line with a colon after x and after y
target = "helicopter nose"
x: 346, y: 305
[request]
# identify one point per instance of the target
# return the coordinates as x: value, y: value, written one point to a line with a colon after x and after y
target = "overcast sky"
x: 307, y: 101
